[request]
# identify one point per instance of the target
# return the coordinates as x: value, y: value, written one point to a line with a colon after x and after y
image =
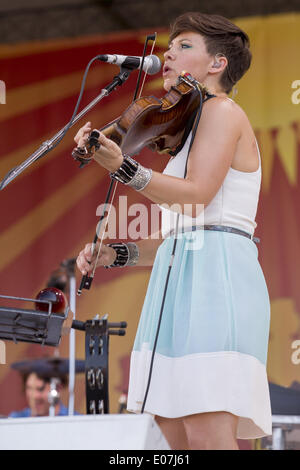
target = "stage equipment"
x: 32, y: 326
x: 47, y: 327
x: 97, y: 333
x: 106, y: 432
x: 64, y: 279
x: 285, y: 405
x: 149, y: 64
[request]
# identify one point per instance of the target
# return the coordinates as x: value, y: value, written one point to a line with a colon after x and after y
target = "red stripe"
x: 286, y: 217
x: 277, y: 223
x: 24, y: 194
x: 11, y: 384
x: 26, y: 273
x: 56, y: 171
x: 22, y: 129
x: 29, y: 126
x: 55, y: 63
x: 43, y: 180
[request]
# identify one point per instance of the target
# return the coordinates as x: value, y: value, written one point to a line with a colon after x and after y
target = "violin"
x: 149, y: 121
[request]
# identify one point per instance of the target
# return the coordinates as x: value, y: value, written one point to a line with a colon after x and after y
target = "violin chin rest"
x: 164, y: 151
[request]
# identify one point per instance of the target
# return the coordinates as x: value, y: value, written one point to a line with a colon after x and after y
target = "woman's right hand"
x: 86, y: 261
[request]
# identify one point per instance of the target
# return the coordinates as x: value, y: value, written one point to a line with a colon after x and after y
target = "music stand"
x: 31, y: 326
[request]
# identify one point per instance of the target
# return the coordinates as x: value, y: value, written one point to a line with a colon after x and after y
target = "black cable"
x: 194, y: 130
x: 160, y: 317
x: 67, y: 127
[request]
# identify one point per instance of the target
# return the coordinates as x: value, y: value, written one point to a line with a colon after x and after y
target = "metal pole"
x: 278, y: 439
x: 72, y: 346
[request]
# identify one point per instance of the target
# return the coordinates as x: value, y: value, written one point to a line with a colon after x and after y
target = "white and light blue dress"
x: 212, y: 347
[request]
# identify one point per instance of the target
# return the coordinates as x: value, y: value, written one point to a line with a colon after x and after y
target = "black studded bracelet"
x: 127, y: 255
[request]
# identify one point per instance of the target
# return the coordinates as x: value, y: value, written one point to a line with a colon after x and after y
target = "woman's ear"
x: 219, y: 64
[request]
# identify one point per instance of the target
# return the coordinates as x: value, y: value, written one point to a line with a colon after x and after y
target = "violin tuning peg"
x: 93, y: 140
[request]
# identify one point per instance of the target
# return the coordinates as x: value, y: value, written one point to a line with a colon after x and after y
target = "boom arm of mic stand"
x: 49, y: 144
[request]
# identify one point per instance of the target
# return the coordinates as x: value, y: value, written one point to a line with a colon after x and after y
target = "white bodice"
x: 234, y: 205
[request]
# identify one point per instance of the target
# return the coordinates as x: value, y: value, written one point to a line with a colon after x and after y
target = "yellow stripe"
x: 24, y: 99
x: 27, y: 98
x: 23, y: 233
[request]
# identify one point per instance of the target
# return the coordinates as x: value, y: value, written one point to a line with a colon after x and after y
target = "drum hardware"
x: 53, y: 395
x: 122, y: 403
x: 96, y: 360
x: 45, y: 328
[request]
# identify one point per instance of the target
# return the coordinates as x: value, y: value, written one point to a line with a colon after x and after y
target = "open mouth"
x: 166, y: 69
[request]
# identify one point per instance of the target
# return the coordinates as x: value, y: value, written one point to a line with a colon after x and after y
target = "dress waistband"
x: 219, y: 228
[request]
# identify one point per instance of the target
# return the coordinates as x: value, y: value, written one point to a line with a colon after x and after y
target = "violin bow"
x: 86, y: 280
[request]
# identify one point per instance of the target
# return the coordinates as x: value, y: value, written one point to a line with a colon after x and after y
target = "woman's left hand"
x: 109, y: 154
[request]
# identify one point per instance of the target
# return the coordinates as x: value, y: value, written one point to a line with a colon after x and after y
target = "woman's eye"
x: 183, y: 46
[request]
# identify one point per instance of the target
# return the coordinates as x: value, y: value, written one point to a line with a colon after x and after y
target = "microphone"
x: 152, y: 64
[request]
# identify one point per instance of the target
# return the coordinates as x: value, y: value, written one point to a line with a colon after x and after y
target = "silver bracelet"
x: 132, y: 174
x: 141, y: 178
x: 134, y: 254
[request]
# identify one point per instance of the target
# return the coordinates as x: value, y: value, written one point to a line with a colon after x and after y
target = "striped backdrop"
x: 49, y: 212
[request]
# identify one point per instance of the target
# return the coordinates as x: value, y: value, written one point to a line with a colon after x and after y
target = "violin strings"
x: 103, y: 232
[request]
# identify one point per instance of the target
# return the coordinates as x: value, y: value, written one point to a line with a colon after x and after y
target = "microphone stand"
x: 69, y: 266
x: 72, y: 359
x: 48, y: 145
x: 53, y: 396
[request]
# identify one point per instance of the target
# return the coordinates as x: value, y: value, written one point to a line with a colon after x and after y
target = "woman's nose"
x: 169, y: 54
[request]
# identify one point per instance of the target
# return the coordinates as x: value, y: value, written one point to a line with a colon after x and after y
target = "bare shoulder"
x: 223, y: 106
x: 223, y: 116
x: 229, y: 117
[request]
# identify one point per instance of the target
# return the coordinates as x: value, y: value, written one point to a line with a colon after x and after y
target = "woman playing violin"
x: 209, y: 384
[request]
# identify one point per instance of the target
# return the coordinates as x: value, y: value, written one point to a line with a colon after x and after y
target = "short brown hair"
x: 220, y: 36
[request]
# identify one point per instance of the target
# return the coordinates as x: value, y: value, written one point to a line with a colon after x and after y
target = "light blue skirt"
x: 214, y: 329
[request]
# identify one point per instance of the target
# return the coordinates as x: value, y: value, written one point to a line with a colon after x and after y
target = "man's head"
x: 36, y: 390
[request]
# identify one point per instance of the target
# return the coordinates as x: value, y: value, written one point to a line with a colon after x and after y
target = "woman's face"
x: 187, y: 52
